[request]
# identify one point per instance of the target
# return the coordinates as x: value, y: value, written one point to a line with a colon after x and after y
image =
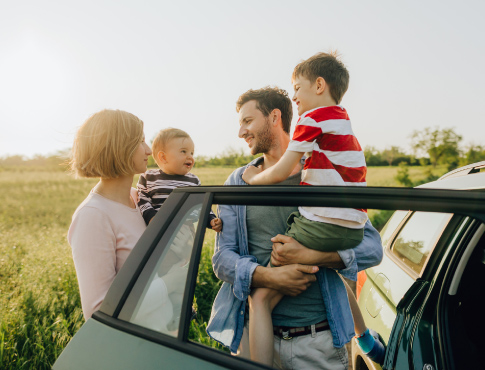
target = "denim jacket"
x: 233, y: 264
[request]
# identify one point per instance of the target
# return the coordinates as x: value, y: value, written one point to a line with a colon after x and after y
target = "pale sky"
x: 413, y: 64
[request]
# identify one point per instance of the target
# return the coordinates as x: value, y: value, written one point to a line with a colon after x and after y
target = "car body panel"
x: 416, y: 340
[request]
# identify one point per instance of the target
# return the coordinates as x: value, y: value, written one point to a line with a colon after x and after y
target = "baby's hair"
x: 330, y: 68
x: 105, y: 144
x: 164, y: 136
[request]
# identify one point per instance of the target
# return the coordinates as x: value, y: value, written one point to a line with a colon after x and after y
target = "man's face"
x: 255, y: 128
x: 305, y: 94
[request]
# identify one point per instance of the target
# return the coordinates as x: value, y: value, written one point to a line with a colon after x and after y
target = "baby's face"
x: 179, y: 156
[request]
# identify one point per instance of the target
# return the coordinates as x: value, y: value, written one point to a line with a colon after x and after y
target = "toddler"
x: 334, y: 157
x: 173, y: 151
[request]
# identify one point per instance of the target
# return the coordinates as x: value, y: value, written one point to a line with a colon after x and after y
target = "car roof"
x: 464, y: 178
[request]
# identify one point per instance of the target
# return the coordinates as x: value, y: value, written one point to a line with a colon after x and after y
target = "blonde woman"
x: 111, y: 146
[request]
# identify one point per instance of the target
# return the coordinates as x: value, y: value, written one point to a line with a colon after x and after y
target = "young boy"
x: 334, y: 157
x: 173, y: 151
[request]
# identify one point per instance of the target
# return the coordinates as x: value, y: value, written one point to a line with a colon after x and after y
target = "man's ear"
x: 275, y: 116
x: 161, y: 157
x: 320, y: 85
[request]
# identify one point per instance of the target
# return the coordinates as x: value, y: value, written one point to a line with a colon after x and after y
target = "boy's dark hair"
x: 330, y: 68
x: 267, y: 99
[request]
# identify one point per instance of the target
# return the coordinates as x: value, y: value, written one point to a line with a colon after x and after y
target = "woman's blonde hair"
x: 105, y: 144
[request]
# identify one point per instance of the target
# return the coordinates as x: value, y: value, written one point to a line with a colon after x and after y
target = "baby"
x: 173, y: 151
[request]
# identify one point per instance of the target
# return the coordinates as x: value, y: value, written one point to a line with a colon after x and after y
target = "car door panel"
x: 99, y: 346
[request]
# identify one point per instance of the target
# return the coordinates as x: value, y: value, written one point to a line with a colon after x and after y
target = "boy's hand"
x: 250, y: 172
x: 216, y: 224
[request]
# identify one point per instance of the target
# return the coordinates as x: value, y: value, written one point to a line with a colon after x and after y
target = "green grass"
x: 39, y: 299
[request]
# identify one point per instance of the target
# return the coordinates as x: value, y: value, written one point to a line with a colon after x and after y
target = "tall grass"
x: 39, y: 299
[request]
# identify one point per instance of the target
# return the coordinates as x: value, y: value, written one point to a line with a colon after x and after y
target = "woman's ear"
x: 320, y: 85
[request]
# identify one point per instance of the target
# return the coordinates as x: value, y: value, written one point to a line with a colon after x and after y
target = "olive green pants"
x: 322, y: 236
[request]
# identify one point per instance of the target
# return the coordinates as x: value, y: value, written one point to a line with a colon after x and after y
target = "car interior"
x: 464, y: 307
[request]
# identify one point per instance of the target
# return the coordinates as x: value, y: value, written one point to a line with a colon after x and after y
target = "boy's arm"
x: 277, y: 173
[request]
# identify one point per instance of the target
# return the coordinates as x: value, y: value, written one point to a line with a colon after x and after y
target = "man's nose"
x: 294, y: 97
x: 242, y: 132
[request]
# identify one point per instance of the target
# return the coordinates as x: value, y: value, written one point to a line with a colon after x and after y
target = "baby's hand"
x: 216, y: 224
x: 250, y: 172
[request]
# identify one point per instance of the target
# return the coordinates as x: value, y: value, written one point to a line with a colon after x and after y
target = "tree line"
x: 430, y: 146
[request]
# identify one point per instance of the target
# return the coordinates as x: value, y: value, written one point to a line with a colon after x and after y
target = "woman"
x: 110, y: 145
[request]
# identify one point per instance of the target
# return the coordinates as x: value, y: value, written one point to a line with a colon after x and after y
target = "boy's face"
x: 178, y: 156
x: 305, y: 97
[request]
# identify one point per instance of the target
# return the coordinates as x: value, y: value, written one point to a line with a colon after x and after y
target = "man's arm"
x: 287, y: 250
x: 368, y: 253
x: 289, y: 280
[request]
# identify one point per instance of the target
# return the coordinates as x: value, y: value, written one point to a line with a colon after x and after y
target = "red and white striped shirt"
x: 334, y: 157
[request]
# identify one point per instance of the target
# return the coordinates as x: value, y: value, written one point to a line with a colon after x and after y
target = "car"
x: 425, y: 298
x: 143, y: 323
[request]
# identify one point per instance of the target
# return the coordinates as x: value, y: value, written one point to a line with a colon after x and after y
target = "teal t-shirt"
x: 264, y: 222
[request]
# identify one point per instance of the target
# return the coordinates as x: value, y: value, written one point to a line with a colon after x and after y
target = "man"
x: 310, y: 328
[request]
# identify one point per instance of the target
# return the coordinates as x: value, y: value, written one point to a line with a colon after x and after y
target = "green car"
x: 419, y: 309
x: 425, y: 298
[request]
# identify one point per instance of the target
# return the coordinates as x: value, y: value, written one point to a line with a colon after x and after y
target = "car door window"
x: 417, y: 238
x: 388, y: 231
x: 155, y: 301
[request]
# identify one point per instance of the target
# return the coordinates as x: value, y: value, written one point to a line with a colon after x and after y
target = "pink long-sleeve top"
x: 102, y: 234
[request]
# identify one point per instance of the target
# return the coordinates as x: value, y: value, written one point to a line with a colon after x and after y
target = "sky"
x: 412, y: 64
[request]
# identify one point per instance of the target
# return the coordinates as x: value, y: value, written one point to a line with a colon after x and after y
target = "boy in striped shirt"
x: 334, y: 157
x: 173, y: 151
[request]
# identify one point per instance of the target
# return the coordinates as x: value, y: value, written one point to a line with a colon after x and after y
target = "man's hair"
x: 105, y: 144
x: 267, y: 99
x: 330, y: 68
x: 164, y: 136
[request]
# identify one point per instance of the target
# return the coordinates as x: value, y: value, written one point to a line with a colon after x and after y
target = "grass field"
x: 39, y: 299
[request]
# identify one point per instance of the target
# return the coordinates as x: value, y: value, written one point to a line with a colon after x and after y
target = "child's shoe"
x: 371, y: 345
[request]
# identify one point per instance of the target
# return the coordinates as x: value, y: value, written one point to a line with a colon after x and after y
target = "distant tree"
x: 373, y: 156
x: 391, y: 154
x: 472, y: 154
x: 442, y: 146
x: 403, y: 175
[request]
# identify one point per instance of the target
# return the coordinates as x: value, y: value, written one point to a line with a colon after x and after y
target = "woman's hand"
x: 250, y: 172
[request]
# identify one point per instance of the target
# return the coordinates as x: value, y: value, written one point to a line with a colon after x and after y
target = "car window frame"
x: 392, y: 241
x: 467, y: 203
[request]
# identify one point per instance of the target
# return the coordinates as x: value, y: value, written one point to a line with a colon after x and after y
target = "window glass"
x: 156, y: 302
x: 418, y: 238
x: 391, y: 226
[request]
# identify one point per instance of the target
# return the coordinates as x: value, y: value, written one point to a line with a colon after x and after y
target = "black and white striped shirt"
x: 154, y: 186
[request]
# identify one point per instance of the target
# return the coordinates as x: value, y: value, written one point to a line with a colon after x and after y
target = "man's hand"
x: 216, y: 224
x: 287, y: 251
x: 250, y: 172
x: 288, y: 280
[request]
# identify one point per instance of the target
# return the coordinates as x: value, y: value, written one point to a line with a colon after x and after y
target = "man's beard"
x: 264, y: 140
